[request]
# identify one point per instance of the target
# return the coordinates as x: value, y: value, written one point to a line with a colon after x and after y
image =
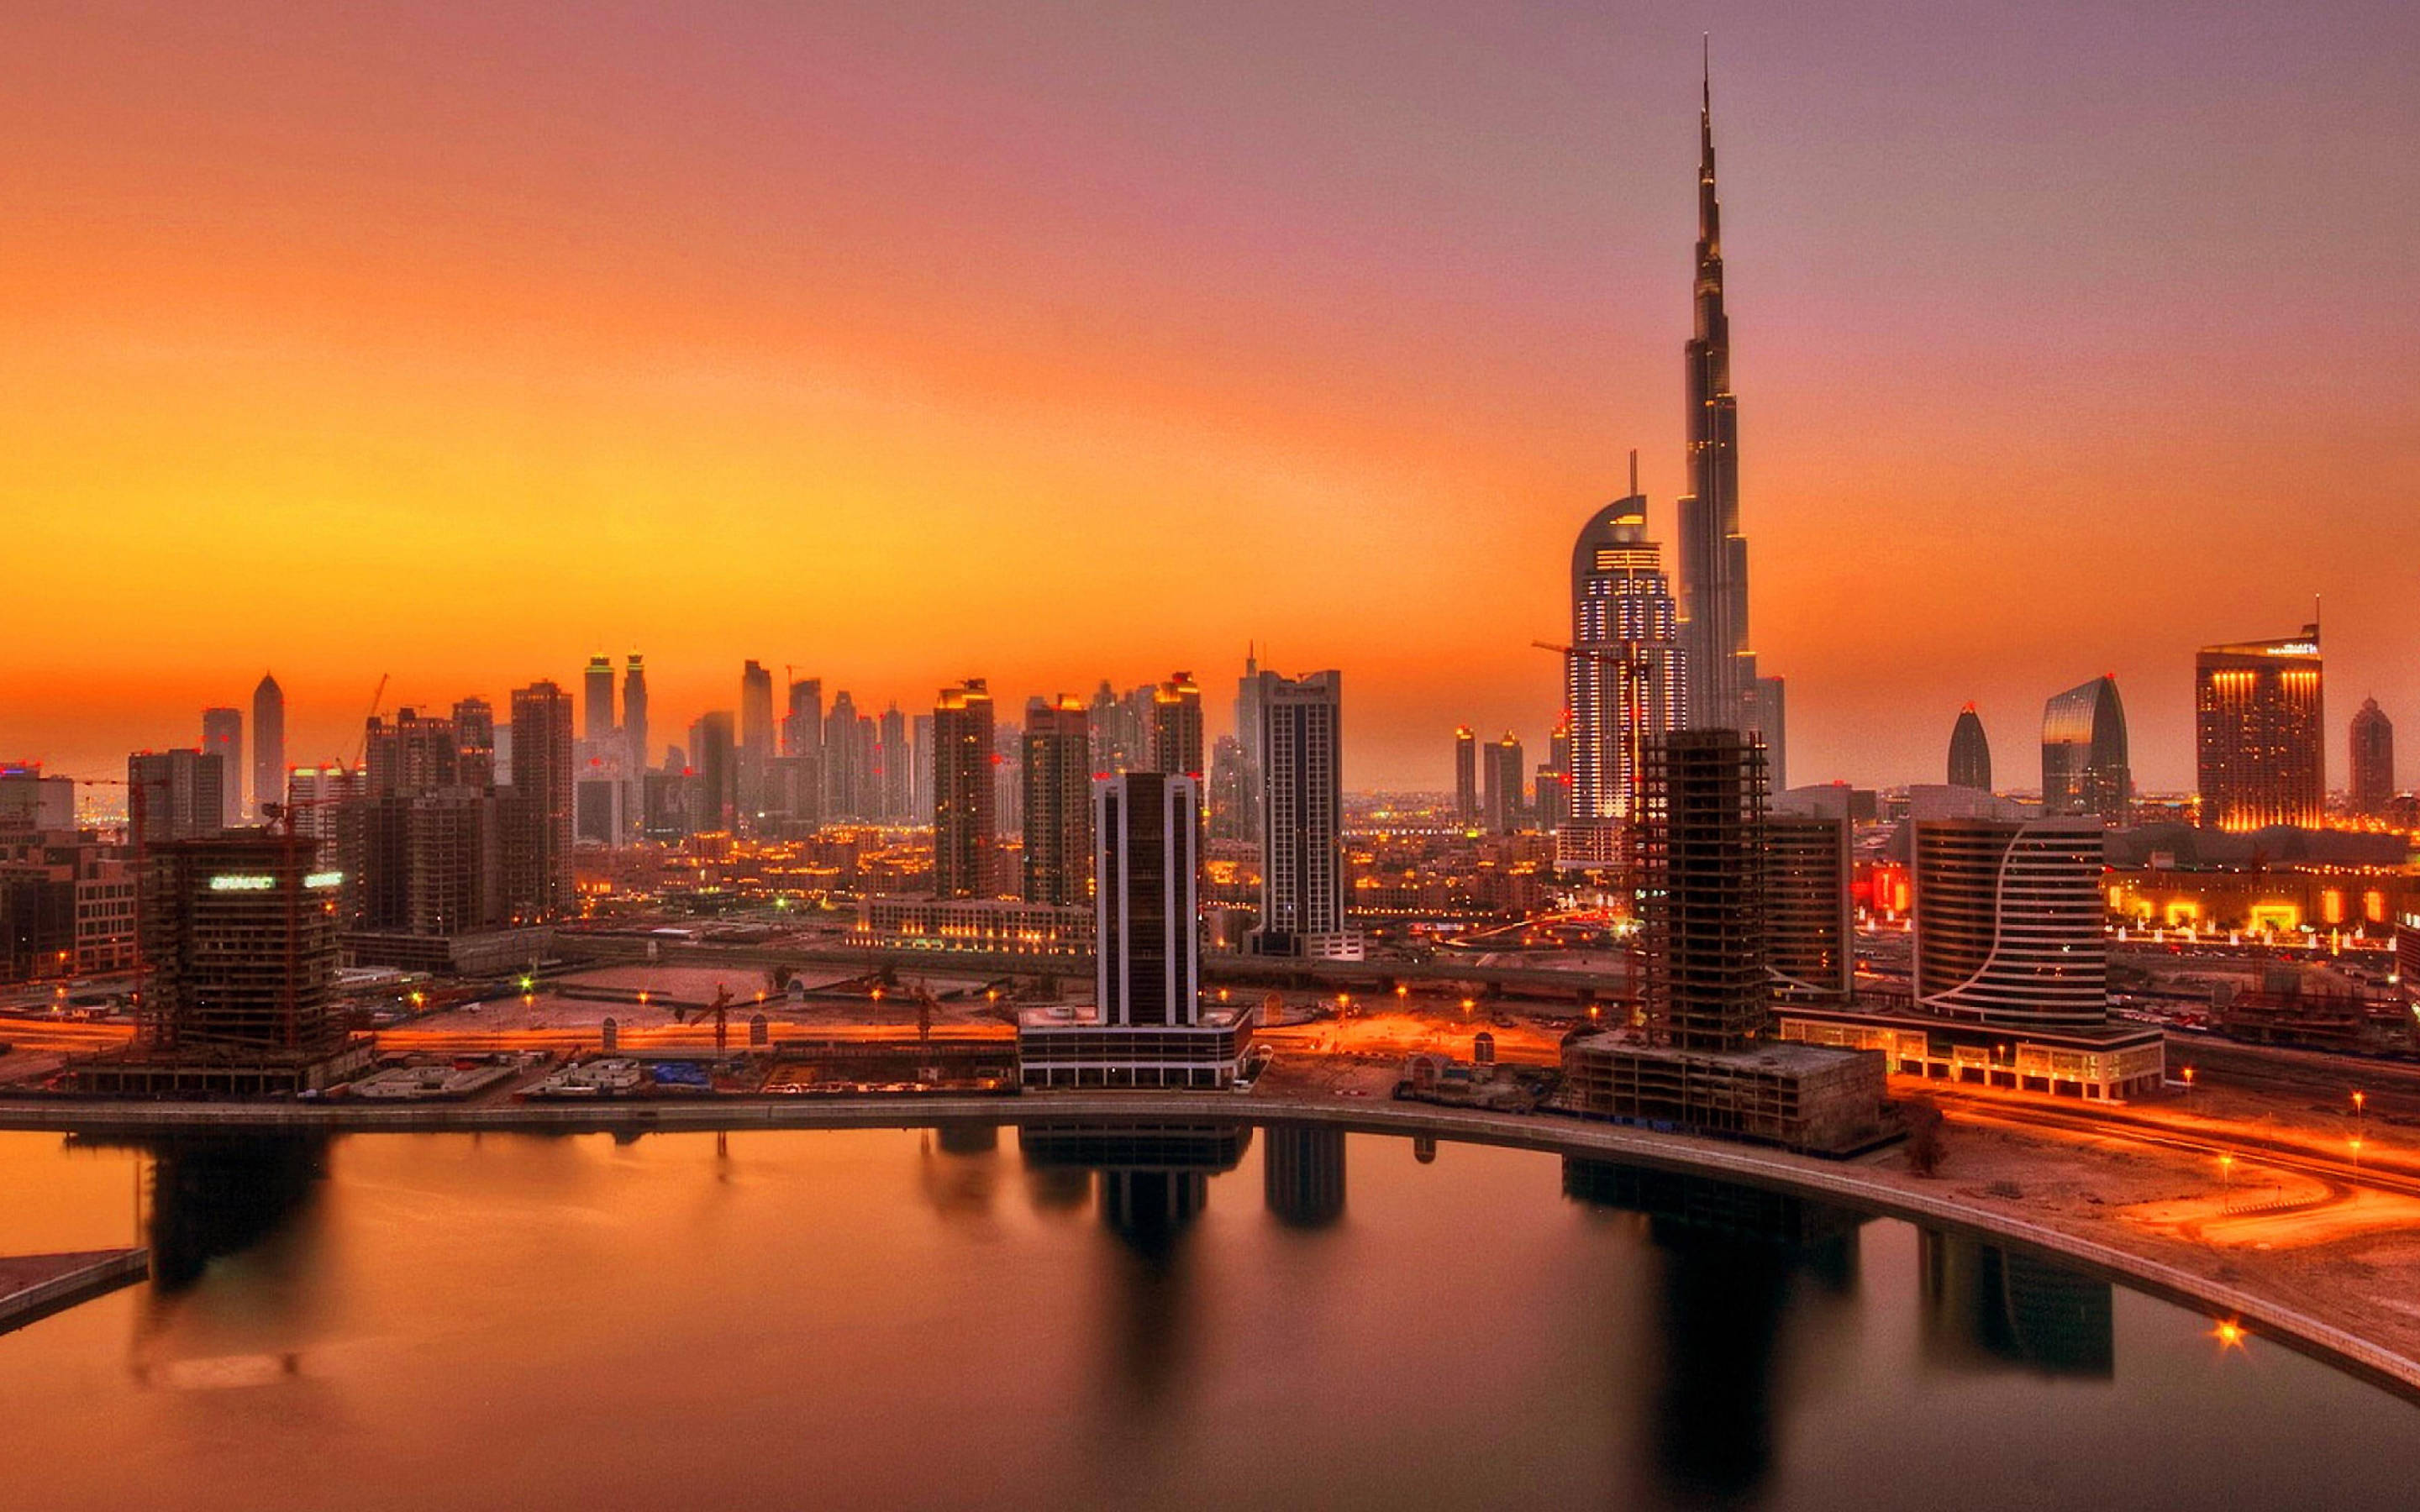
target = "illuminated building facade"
x: 965, y: 799
x: 268, y: 742
x: 1622, y: 681
x: 1056, y: 775
x: 2372, y: 767
x: 240, y: 951
x: 597, y: 702
x: 2086, y: 766
x: 1177, y: 728
x: 2008, y: 921
x: 1970, y: 752
x: 2260, y: 754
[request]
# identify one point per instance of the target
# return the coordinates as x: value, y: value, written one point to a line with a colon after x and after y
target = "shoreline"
x: 1885, y: 1193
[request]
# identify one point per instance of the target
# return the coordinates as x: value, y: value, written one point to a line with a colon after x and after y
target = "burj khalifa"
x: 1724, y: 690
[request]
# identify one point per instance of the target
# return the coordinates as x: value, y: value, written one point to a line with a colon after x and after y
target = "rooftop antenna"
x: 1634, y: 473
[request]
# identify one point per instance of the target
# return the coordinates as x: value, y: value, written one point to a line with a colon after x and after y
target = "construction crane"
x: 1632, y: 666
x: 378, y: 701
x: 721, y: 1008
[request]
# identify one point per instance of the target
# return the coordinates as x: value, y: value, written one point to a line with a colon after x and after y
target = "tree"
x: 1923, y: 1121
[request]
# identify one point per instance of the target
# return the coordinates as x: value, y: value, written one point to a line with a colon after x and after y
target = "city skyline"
x: 485, y: 427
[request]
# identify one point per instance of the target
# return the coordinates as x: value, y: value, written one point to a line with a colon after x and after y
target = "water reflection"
x: 356, y: 1323
x: 1986, y: 1307
x: 218, y: 1196
x: 1733, y: 1256
x: 1302, y: 1175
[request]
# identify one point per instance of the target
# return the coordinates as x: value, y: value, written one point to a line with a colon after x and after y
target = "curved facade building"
x: 2085, y: 765
x: 1970, y: 754
x: 1623, y: 682
x: 2008, y: 921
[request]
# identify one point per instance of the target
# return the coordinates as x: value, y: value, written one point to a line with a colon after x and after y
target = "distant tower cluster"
x: 1970, y: 753
x: 2260, y: 756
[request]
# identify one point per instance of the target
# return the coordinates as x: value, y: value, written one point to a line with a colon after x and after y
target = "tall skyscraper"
x: 895, y: 764
x: 1227, y: 801
x: 965, y: 803
x: 755, y: 738
x: 845, y: 764
x: 1970, y: 753
x: 410, y: 754
x: 1725, y: 692
x: 1057, y: 774
x: 2259, y: 753
x: 1500, y: 808
x: 1147, y: 925
x: 920, y: 739
x: 714, y: 756
x: 2008, y: 921
x: 1466, y: 776
x: 596, y: 696
x: 806, y: 788
x: 634, y: 715
x: 223, y: 737
x: 542, y: 783
x: 1624, y: 682
x: 2373, y: 759
x: 1701, y: 874
x: 1302, y: 805
x: 267, y: 743
x: 1177, y: 728
x: 1247, y: 735
x: 2086, y: 766
x: 174, y: 794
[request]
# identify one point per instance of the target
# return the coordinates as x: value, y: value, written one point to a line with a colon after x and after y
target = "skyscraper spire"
x: 1723, y: 691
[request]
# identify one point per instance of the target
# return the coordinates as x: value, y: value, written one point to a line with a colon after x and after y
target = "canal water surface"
x: 1176, y: 1317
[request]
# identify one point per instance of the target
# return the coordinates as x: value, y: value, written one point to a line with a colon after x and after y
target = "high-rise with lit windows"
x: 2260, y: 754
x: 964, y: 800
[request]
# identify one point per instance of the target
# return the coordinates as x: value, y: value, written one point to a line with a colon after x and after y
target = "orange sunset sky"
x: 1056, y: 341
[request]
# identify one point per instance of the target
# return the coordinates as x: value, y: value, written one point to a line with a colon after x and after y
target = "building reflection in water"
x: 1734, y: 1256
x: 213, y: 1196
x: 1302, y: 1175
x: 1153, y: 1181
x: 1986, y: 1307
x: 960, y: 1170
